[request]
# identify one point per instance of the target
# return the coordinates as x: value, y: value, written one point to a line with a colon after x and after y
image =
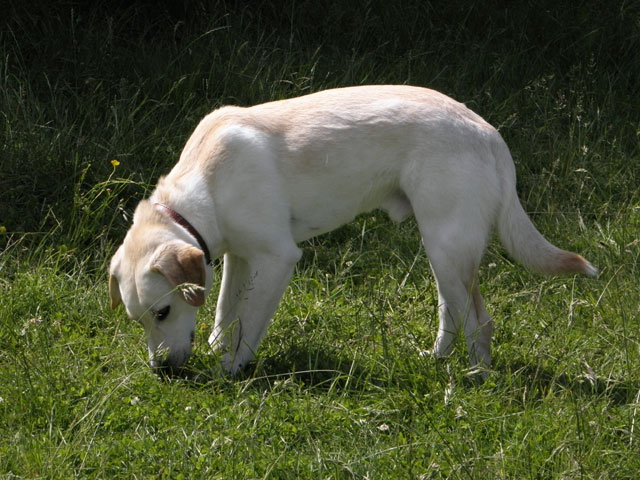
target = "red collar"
x: 180, y: 220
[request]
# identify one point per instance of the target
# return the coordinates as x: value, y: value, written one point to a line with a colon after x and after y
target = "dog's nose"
x: 166, y: 368
x: 170, y: 367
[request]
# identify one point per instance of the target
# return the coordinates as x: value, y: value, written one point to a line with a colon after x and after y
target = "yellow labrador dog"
x: 253, y: 182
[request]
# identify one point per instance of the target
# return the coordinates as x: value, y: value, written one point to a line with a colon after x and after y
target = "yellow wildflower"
x: 115, y: 163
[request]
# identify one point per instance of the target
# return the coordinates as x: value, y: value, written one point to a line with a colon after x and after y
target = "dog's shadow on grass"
x: 318, y: 369
x: 309, y: 368
x: 541, y: 381
x: 326, y: 369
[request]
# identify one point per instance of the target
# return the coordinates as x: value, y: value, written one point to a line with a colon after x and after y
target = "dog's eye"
x: 163, y: 313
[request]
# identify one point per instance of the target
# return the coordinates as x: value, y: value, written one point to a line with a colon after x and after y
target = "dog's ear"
x: 114, y: 287
x: 181, y: 263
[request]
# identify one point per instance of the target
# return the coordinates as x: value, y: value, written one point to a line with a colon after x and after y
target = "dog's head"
x: 160, y: 279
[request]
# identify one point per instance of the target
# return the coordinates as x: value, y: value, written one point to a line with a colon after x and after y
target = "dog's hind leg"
x: 454, y: 251
x: 458, y: 310
x: 482, y: 341
x: 455, y: 198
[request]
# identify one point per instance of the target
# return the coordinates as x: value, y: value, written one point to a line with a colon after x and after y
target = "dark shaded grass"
x: 342, y: 387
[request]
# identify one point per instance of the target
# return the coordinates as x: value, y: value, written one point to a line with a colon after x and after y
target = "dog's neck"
x: 184, y: 223
x: 189, y: 196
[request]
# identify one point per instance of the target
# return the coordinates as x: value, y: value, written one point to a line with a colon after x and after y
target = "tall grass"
x: 96, y: 102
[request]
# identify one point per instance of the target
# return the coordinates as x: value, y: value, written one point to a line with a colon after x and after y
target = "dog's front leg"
x: 231, y: 300
x: 268, y: 276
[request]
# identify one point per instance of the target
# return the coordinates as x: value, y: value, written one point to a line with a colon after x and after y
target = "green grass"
x: 342, y: 387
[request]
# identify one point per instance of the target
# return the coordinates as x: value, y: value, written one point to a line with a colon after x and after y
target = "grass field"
x: 96, y: 101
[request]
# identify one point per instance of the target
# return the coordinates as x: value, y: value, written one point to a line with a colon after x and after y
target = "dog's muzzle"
x: 171, y: 364
x: 167, y: 369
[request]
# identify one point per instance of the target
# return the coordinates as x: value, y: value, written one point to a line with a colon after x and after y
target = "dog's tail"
x: 527, y: 245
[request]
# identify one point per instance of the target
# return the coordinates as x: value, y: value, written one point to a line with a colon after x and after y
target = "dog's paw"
x: 231, y: 364
x: 227, y: 363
